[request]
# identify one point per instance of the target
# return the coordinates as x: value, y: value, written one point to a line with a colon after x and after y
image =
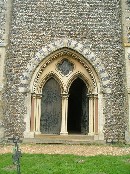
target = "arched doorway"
x: 78, y: 108
x: 50, y: 122
x: 79, y: 85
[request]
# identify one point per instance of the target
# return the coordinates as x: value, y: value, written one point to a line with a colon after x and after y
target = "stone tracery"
x: 65, y: 67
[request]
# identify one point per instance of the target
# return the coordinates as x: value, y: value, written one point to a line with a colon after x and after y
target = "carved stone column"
x: 91, y: 115
x: 64, y: 114
x: 36, y: 112
x: 95, y: 113
x: 33, y: 101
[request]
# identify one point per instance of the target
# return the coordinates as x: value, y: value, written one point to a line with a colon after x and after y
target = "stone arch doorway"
x: 79, y: 70
x: 78, y: 108
x: 50, y: 121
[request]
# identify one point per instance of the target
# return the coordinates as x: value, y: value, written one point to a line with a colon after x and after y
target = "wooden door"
x: 85, y: 111
x: 50, y: 122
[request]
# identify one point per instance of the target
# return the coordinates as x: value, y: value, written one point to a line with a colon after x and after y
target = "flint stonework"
x: 96, y: 24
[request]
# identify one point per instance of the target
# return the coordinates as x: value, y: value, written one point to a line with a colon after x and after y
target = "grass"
x: 66, y: 164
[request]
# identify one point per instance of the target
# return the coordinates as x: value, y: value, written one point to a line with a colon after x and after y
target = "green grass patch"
x: 66, y: 164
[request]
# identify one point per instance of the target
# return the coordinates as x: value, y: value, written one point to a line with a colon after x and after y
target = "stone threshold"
x: 62, y: 139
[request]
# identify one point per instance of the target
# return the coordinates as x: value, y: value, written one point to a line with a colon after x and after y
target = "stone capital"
x: 65, y: 95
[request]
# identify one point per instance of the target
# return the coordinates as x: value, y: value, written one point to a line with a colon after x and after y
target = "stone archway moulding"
x: 65, y: 52
x: 74, y: 45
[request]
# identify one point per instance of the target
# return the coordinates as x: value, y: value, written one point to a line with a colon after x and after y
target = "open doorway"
x: 78, y: 109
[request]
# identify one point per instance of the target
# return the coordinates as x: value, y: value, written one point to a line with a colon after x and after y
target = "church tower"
x: 65, y: 68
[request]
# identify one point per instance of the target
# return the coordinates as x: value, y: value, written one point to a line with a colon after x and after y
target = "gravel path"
x: 83, y: 150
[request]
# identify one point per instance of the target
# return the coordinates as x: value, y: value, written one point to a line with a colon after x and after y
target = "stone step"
x: 60, y: 139
x: 65, y: 137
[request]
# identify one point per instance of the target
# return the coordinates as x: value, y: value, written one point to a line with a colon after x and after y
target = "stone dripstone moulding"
x: 71, y: 44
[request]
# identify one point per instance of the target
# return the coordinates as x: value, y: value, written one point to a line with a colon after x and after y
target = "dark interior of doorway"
x: 75, y: 106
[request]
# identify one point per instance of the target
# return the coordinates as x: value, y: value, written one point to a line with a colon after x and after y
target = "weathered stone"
x: 38, y: 28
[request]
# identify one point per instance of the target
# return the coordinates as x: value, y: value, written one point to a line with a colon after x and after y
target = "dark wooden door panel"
x: 85, y: 112
x: 50, y: 122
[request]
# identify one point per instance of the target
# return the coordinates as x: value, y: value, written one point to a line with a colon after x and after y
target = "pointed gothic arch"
x: 44, y: 79
x: 64, y: 52
x: 87, y: 81
x: 51, y: 48
x: 45, y: 67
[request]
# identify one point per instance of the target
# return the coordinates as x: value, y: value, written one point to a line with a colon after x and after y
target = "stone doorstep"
x: 53, y: 141
x: 60, y: 139
x: 39, y: 141
x: 65, y: 137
